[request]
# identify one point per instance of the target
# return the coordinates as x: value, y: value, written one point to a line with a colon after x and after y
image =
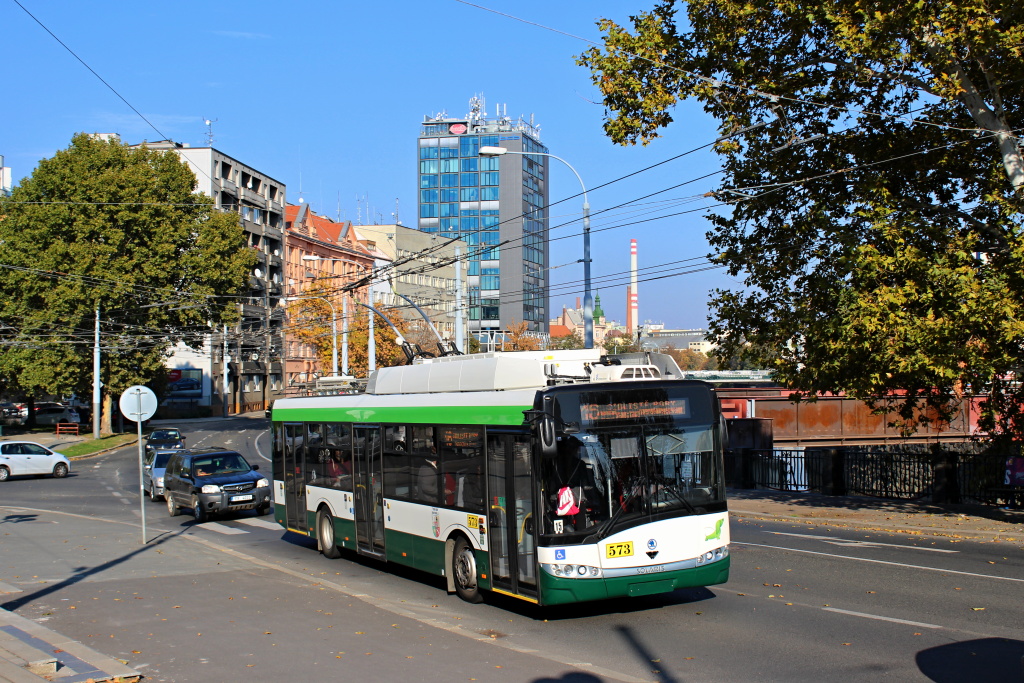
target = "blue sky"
x: 327, y: 97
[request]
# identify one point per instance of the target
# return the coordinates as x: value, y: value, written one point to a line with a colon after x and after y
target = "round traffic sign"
x: 138, y: 403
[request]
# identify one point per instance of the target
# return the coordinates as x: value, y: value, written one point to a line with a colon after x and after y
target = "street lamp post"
x: 588, y: 301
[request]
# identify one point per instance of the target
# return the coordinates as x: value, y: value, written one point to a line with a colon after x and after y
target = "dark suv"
x: 213, y: 480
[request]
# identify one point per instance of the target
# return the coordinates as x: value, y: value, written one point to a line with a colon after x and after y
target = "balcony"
x: 253, y: 198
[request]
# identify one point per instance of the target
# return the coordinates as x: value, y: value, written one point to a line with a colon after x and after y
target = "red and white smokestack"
x: 633, y: 314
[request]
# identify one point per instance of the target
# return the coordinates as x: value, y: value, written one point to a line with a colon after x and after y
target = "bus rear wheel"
x: 464, y: 571
x: 325, y: 535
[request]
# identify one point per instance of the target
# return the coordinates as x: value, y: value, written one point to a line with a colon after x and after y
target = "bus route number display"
x: 619, y: 549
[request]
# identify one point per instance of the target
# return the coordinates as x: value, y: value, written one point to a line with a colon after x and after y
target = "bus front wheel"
x: 325, y: 535
x: 464, y: 571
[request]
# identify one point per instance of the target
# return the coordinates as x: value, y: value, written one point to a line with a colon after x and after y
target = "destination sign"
x: 459, y: 437
x: 594, y: 412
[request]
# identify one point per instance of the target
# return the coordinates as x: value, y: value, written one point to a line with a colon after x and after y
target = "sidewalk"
x: 980, y: 522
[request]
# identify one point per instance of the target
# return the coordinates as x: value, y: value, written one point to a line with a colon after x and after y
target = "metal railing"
x: 940, y: 476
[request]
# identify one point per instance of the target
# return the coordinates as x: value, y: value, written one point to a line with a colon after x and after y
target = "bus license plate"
x: 619, y: 549
x: 239, y: 499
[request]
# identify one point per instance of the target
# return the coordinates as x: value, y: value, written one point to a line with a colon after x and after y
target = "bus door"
x: 294, y: 482
x: 513, y: 547
x: 368, y: 458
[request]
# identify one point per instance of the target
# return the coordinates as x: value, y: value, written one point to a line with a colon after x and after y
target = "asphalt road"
x: 239, y: 597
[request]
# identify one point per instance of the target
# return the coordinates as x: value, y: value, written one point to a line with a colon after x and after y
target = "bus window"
x: 462, y: 454
x: 397, y: 467
x: 338, y: 440
x: 317, y: 456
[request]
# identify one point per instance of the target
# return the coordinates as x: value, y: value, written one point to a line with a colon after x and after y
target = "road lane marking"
x: 221, y: 528
x: 881, y: 618
x: 256, y: 443
x: 834, y: 540
x: 262, y: 523
x: 893, y: 564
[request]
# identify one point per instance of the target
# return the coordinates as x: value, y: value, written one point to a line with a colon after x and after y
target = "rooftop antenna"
x: 209, y: 130
x: 397, y: 222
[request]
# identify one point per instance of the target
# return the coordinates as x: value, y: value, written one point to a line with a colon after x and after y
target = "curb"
x: 941, y: 532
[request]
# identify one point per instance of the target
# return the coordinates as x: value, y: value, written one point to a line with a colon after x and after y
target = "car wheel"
x: 172, y: 507
x: 60, y: 470
x: 464, y: 571
x: 325, y: 535
x: 197, y: 510
x: 4, y: 473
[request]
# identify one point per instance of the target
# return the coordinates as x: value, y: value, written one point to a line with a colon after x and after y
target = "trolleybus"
x: 554, y: 477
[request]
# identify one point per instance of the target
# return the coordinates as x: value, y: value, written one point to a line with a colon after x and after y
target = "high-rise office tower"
x: 497, y: 204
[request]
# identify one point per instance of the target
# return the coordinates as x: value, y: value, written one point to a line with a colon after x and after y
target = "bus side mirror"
x: 546, y: 436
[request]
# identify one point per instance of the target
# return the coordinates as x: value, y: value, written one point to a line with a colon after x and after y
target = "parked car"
x: 28, y: 458
x: 55, y: 414
x: 167, y: 439
x: 23, y: 407
x: 154, y: 466
x: 214, y: 480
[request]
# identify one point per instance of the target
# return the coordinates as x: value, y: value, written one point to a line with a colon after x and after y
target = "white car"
x: 25, y: 457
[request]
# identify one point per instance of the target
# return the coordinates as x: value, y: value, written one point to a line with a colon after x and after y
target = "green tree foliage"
x: 618, y: 342
x: 688, y: 359
x: 101, y: 225
x: 569, y: 341
x: 872, y: 189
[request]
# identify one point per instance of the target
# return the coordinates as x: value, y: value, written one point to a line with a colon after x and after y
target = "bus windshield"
x: 617, y: 473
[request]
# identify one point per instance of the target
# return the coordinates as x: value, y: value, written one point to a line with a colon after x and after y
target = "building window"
x: 428, y: 181
x: 488, y: 193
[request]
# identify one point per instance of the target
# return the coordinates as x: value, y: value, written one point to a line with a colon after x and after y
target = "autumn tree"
x: 519, y: 338
x: 102, y: 226
x: 872, y: 191
x: 310, y: 321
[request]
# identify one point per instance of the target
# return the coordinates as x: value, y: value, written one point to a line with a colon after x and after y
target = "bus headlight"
x: 572, y: 571
x: 715, y: 555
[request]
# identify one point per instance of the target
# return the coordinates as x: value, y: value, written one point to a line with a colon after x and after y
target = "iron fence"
x: 939, y: 476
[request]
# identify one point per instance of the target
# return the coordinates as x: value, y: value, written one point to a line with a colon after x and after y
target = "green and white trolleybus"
x: 554, y: 477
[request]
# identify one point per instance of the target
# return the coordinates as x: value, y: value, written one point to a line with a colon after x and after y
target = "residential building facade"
x: 323, y: 260
x: 497, y: 205
x: 428, y: 269
x: 252, y: 350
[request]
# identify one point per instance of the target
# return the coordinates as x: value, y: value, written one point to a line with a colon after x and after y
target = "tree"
x: 619, y: 342
x: 519, y: 337
x: 312, y: 325
x: 569, y: 341
x: 872, y: 190
x: 103, y: 226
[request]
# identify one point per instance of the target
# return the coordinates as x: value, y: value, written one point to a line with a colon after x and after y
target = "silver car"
x: 28, y: 458
x: 154, y: 465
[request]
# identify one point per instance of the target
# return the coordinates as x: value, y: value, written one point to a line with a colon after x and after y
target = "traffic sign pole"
x: 139, y: 403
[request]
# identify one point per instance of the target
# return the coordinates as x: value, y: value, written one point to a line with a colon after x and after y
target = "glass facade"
x: 498, y: 205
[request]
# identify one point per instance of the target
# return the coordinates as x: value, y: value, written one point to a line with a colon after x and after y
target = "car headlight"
x: 210, y: 488
x: 160, y: 482
x: 262, y: 483
x: 179, y: 445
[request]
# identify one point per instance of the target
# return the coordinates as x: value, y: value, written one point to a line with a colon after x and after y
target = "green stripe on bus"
x: 491, y: 415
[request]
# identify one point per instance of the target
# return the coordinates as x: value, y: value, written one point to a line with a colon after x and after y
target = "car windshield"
x: 219, y: 464
x: 165, y: 434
